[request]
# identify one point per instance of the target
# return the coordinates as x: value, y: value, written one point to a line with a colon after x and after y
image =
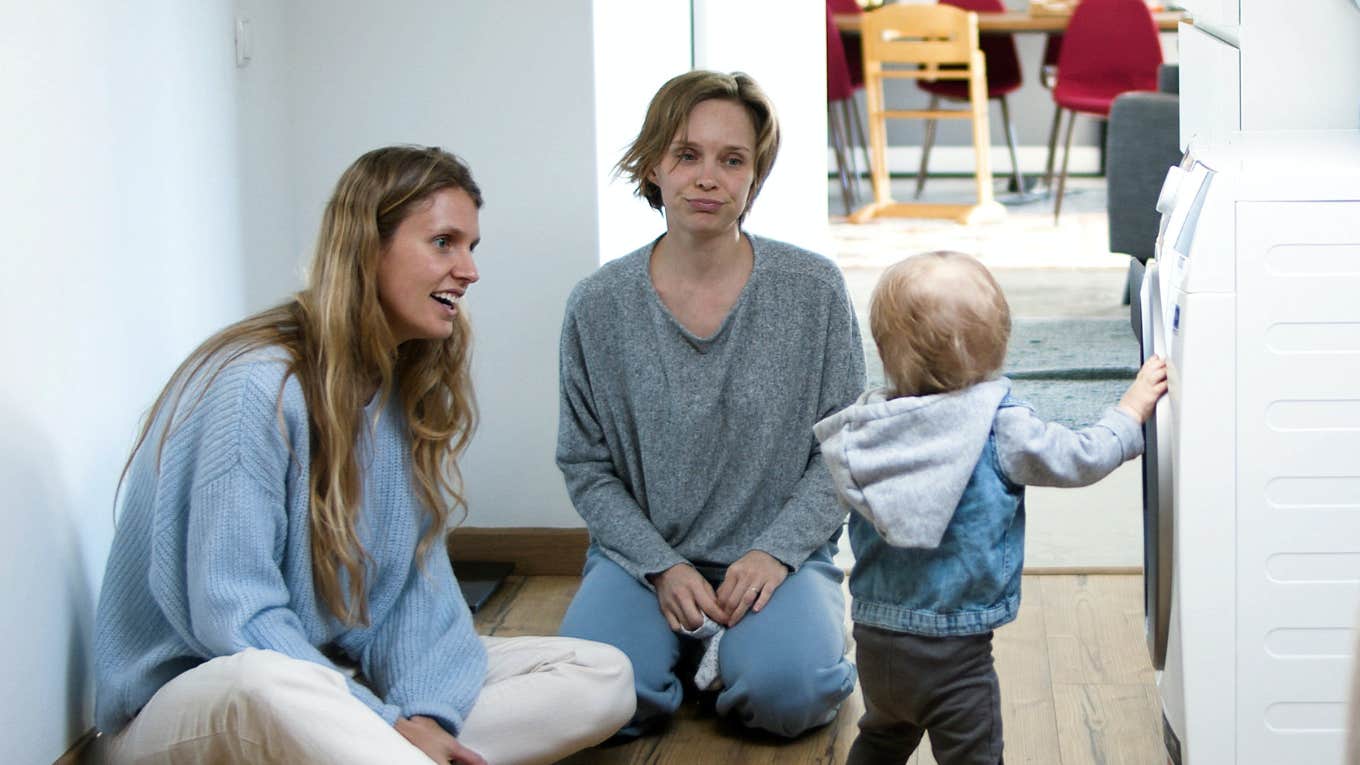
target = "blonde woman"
x: 278, y: 589
x: 692, y: 371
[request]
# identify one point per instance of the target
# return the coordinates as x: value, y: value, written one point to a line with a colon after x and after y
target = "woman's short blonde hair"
x: 668, y: 115
x: 941, y: 323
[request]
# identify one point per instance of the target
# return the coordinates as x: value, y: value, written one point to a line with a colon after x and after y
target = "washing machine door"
x: 1158, y: 478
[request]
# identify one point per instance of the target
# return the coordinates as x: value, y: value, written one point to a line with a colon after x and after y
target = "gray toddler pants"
x: 913, y: 685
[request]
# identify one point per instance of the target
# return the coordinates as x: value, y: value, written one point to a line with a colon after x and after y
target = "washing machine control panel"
x: 1185, y: 191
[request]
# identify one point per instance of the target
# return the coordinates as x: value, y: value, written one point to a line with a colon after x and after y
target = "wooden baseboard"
x: 562, y: 552
x: 534, y: 551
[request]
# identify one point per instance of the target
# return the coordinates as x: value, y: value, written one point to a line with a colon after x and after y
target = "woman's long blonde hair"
x: 340, y: 347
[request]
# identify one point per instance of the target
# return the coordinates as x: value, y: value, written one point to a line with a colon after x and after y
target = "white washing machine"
x: 1252, y: 472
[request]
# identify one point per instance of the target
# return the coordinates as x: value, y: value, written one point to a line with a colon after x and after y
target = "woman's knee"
x: 612, y: 695
x: 266, y: 679
x: 773, y: 697
x: 611, y: 613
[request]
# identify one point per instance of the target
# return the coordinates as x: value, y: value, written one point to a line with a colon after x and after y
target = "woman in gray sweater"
x: 692, y: 371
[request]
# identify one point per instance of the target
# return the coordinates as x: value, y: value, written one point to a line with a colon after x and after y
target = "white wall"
x: 121, y: 251
x: 782, y: 44
x: 638, y: 47
x: 512, y: 93
x: 274, y: 238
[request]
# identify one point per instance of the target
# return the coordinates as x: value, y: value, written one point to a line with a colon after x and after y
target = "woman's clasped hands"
x: 686, y: 597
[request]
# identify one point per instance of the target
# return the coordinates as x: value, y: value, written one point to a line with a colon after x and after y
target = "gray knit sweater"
x: 677, y: 448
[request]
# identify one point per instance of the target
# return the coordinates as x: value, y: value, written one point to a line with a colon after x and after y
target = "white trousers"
x: 544, y: 698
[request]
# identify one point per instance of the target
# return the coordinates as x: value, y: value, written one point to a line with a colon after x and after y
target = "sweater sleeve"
x: 813, y: 512
x: 616, y: 522
x: 426, y: 658
x: 227, y: 589
x: 1037, y: 453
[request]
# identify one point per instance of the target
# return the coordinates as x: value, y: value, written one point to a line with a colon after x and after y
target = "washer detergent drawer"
x: 1158, y: 482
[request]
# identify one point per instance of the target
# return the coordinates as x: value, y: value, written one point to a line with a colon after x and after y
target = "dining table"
x: 1005, y: 22
x: 1023, y: 21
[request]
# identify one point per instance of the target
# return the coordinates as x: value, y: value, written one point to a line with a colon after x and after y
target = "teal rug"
x: 1069, y: 370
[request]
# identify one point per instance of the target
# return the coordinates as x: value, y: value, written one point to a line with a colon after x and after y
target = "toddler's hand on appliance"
x: 1150, y: 385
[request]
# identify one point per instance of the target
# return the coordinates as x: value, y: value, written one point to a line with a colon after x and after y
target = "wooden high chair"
x: 925, y: 42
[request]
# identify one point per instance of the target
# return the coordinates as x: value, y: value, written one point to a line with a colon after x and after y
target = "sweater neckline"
x: 700, y: 344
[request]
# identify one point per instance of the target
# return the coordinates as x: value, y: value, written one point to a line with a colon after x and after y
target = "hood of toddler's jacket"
x: 903, y: 463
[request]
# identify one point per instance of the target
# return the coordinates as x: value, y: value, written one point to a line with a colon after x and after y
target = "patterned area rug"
x: 1071, y: 370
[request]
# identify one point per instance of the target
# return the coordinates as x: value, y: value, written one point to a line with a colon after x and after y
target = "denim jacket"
x: 937, y: 486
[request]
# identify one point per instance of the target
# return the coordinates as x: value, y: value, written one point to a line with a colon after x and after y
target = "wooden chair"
x: 1003, y: 78
x: 925, y: 42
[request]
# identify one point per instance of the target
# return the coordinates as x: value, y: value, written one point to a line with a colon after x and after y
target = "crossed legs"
x: 544, y: 698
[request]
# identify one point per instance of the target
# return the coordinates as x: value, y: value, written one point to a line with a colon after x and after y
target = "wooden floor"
x: 1076, y: 685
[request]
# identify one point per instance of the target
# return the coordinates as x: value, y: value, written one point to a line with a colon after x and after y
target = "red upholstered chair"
x: 845, y: 126
x: 1003, y: 77
x: 854, y: 52
x: 1111, y: 47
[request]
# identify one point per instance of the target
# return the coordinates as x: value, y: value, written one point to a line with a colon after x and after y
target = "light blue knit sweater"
x: 211, y: 556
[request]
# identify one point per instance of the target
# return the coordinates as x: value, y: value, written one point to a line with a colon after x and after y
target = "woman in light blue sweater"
x: 278, y: 588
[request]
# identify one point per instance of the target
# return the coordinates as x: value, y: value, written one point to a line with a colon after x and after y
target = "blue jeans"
x: 783, y: 670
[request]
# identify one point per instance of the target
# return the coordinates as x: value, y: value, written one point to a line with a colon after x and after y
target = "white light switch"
x: 244, y: 43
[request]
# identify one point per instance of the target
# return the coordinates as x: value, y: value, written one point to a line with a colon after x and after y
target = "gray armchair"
x: 1142, y: 142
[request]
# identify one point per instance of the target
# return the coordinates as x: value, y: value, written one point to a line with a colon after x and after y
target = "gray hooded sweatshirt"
x: 903, y: 463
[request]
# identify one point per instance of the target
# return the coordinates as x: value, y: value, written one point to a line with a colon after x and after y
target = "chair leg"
x: 849, y: 119
x: 1102, y: 143
x: 838, y: 144
x: 1052, y: 147
x: 1062, y: 179
x: 851, y: 169
x: 853, y: 107
x: 925, y: 147
x: 1010, y: 142
x: 878, y: 133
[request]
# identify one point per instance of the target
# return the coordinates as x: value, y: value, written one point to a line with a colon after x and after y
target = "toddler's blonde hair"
x: 941, y: 323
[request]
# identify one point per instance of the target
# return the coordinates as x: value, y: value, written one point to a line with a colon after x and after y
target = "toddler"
x: 935, y: 466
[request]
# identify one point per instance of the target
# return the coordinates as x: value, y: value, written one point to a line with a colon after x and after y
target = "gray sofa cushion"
x: 1143, y: 141
x: 1169, y: 78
